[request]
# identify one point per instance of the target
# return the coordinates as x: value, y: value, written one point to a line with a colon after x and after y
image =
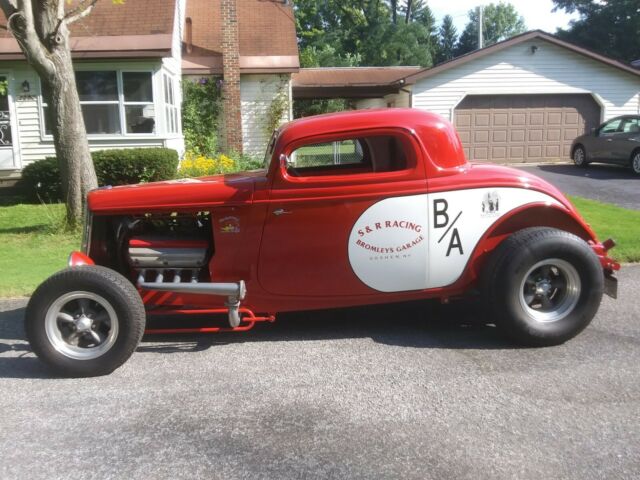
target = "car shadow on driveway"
x: 594, y: 171
x: 415, y: 325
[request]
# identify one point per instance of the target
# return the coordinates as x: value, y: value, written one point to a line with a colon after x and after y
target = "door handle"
x: 609, y: 139
x: 281, y: 211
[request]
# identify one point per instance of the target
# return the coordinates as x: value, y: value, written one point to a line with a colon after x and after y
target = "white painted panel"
x: 425, y: 241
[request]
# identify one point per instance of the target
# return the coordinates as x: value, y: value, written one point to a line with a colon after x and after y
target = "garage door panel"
x: 535, y: 135
x: 552, y: 151
x: 554, y: 135
x: 507, y: 128
x: 517, y: 135
x: 499, y: 136
x: 499, y: 154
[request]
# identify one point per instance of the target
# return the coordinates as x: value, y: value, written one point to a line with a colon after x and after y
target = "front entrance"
x: 7, y: 158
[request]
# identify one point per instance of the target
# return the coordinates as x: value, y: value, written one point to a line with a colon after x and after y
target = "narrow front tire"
x: 85, y: 321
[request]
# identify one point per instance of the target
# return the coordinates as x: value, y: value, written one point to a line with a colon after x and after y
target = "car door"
x: 603, y: 142
x: 341, y: 209
x: 626, y: 140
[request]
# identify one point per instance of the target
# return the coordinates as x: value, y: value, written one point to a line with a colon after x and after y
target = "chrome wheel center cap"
x: 84, y: 323
x: 542, y: 288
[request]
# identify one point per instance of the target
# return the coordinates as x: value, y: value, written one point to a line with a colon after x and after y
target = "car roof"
x: 328, y: 123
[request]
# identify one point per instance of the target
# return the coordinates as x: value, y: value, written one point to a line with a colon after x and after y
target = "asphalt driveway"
x: 606, y: 183
x: 393, y: 392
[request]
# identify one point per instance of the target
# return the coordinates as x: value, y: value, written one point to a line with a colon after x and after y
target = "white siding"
x: 34, y: 145
x: 257, y: 92
x: 516, y: 70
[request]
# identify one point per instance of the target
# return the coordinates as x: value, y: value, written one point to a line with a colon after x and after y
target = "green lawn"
x: 609, y: 221
x: 33, y: 246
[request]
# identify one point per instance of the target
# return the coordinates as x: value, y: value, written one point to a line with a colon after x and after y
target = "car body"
x: 616, y: 141
x: 351, y: 209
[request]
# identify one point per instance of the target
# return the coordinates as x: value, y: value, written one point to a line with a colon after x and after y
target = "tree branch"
x: 82, y: 10
x: 21, y: 24
x: 8, y: 8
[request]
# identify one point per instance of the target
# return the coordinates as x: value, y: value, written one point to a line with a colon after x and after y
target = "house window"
x: 170, y: 105
x: 113, y: 102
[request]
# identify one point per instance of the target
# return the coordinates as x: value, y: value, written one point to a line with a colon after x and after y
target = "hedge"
x: 41, y: 179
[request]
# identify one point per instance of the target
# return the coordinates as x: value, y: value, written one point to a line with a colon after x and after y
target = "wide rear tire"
x: 85, y: 321
x: 542, y: 286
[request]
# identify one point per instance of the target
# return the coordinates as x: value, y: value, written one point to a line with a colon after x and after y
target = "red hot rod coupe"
x: 350, y: 209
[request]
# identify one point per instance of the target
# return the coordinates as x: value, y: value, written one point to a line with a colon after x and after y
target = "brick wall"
x: 231, y: 77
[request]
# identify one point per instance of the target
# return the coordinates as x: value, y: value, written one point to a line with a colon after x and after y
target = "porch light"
x: 26, y: 88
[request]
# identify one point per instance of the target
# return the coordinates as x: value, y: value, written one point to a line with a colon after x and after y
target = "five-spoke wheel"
x: 85, y: 321
x: 542, y: 286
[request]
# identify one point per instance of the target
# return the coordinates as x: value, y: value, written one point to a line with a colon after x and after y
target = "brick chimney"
x: 231, y: 77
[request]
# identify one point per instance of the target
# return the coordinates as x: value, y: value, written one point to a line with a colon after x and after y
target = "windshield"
x: 270, y: 147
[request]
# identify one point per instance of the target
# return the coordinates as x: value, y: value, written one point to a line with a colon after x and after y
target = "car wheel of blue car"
x: 580, y: 157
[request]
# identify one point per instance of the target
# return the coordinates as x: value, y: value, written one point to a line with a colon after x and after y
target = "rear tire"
x: 85, y: 321
x: 580, y: 157
x: 542, y: 286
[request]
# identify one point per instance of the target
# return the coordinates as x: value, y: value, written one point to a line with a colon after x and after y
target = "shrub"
x: 126, y: 167
x: 201, y: 108
x: 41, y: 180
x: 195, y: 165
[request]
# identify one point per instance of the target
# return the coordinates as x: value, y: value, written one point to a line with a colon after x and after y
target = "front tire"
x: 635, y: 162
x: 543, y: 286
x: 580, y: 157
x: 85, y: 321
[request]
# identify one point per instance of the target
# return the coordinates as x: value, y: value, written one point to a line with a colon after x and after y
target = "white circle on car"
x: 388, y: 244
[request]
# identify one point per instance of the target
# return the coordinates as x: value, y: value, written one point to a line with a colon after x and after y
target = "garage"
x: 523, y: 128
x: 527, y: 98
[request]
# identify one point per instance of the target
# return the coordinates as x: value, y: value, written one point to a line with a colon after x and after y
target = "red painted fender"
x: 78, y: 258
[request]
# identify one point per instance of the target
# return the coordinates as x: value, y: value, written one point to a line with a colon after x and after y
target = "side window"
x: 610, y: 127
x: 631, y: 125
x: 378, y: 153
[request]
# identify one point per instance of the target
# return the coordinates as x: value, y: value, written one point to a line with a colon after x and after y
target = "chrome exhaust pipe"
x: 235, y: 293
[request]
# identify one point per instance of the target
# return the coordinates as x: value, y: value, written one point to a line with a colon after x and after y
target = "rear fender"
x: 531, y: 215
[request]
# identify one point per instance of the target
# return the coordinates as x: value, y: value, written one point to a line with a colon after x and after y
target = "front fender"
x: 77, y: 259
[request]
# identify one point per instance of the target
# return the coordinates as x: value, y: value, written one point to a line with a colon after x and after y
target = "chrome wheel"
x: 550, y: 290
x: 81, y: 325
x: 578, y: 156
x: 635, y: 163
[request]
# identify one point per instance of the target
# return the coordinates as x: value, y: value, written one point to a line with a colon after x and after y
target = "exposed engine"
x: 166, y: 248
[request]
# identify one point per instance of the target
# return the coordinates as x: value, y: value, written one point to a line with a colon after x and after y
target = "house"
x: 521, y: 100
x: 127, y: 59
x: 130, y: 59
x: 251, y: 45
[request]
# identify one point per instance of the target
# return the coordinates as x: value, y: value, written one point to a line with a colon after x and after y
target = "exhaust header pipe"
x: 235, y: 293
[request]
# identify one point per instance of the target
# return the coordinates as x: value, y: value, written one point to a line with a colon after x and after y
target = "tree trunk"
x: 40, y: 27
x: 70, y: 136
